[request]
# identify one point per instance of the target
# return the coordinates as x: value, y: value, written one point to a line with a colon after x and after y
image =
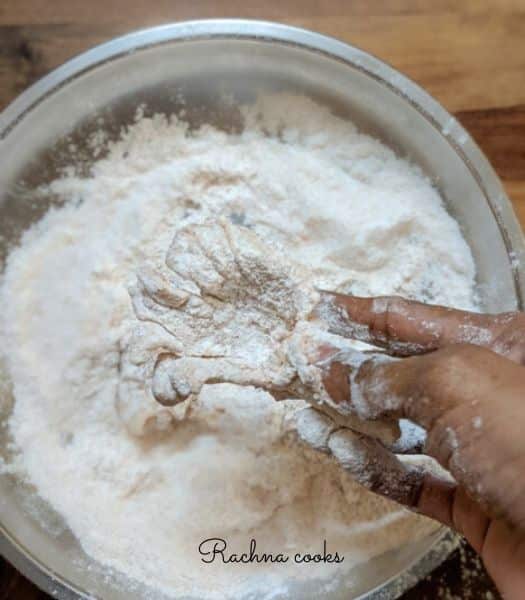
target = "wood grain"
x: 469, y: 54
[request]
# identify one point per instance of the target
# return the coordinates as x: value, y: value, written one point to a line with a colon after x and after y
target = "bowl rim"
x: 270, y: 31
x: 273, y: 32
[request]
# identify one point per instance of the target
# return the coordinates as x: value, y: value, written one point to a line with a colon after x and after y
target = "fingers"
x: 404, y: 327
x: 427, y: 388
x: 424, y: 388
x: 470, y: 402
x: 414, y: 484
x: 374, y: 467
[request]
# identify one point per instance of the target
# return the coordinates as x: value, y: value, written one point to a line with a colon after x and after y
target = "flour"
x: 155, y: 259
x: 223, y: 307
x: 217, y: 307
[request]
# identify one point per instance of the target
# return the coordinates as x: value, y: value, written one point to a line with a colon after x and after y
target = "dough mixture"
x: 147, y: 318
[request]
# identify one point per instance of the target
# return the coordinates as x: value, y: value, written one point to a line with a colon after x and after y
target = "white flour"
x: 343, y: 210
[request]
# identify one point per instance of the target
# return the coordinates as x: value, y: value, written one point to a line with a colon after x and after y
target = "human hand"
x: 464, y: 382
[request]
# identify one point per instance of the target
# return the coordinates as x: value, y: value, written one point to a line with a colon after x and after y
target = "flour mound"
x: 183, y: 250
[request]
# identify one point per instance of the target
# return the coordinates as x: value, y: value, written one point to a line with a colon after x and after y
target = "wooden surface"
x: 469, y: 54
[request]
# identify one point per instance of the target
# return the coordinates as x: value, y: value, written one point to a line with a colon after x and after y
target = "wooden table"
x: 470, y: 55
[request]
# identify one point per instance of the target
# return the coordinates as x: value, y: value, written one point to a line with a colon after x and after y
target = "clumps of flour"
x: 85, y: 289
x: 219, y: 307
x: 224, y: 307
